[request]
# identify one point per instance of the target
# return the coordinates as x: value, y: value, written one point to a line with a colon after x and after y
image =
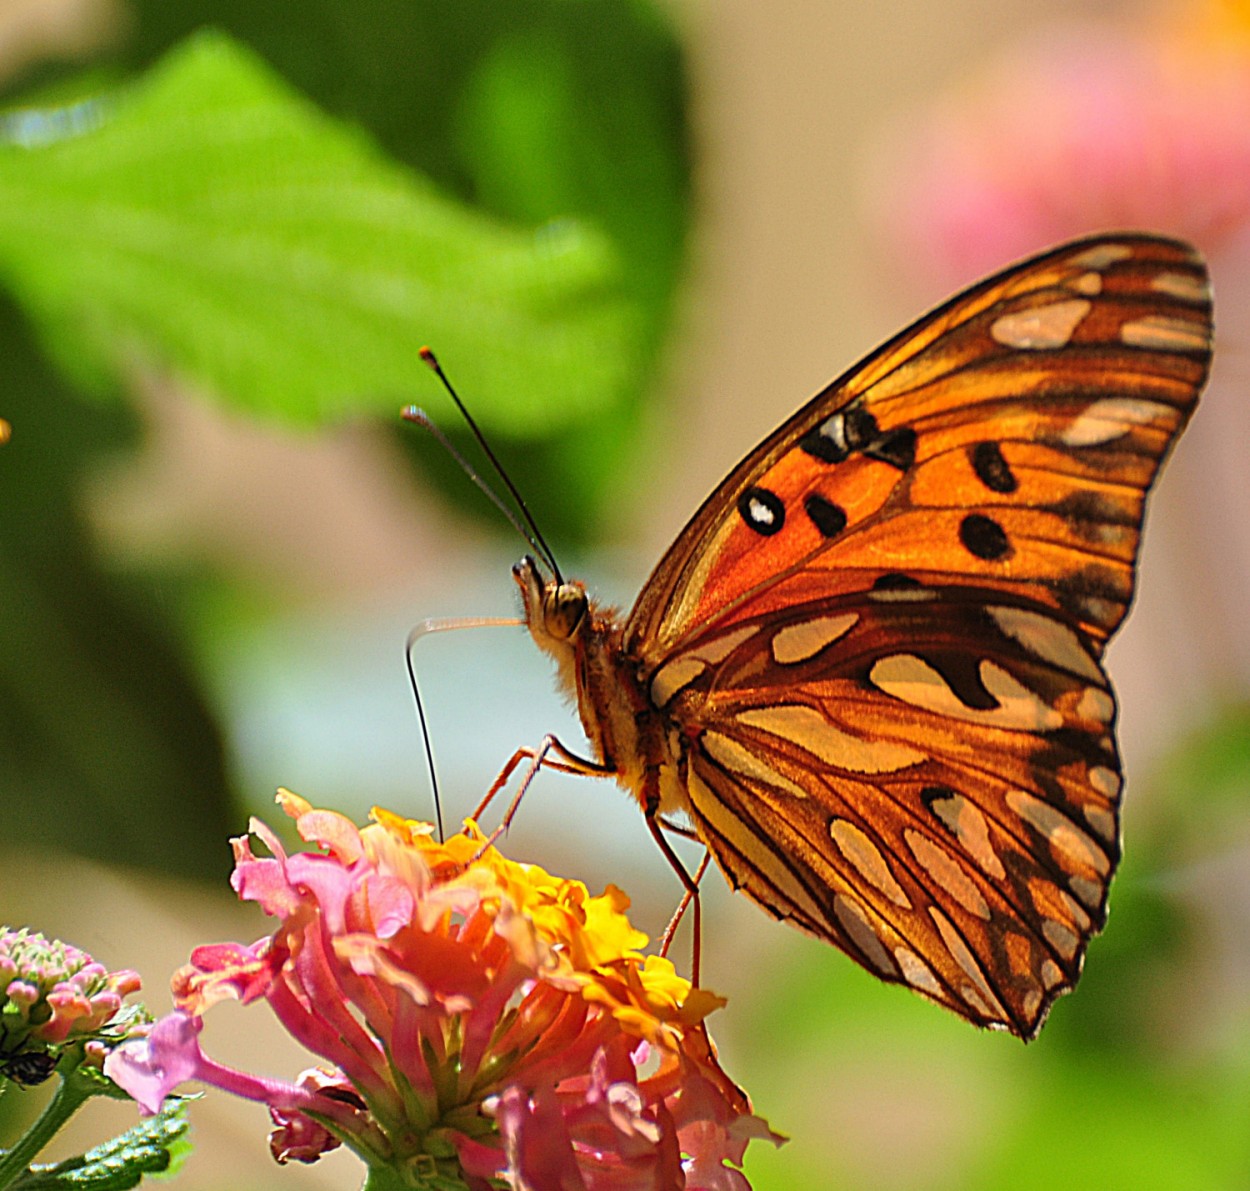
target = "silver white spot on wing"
x: 1062, y: 938
x: 918, y: 974
x: 834, y: 429
x: 1090, y: 892
x: 1102, y: 821
x: 1046, y: 638
x: 901, y: 595
x: 955, y: 944
x: 759, y: 512
x: 1101, y: 255
x: 711, y: 807
x: 855, y: 922
x: 1032, y: 1002
x: 946, y: 872
x: 865, y: 857
x: 1096, y: 704
x: 1106, y: 781
x: 969, y: 826
x: 673, y: 677
x: 1182, y: 286
x: 910, y: 678
x: 1089, y: 284
x: 733, y: 756
x: 683, y: 668
x: 1075, y: 910
x: 811, y: 731
x: 1112, y: 418
x: 1041, y: 327
x: 1157, y: 332
x: 1063, y: 835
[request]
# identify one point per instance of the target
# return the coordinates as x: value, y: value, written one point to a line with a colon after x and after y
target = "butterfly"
x: 868, y: 672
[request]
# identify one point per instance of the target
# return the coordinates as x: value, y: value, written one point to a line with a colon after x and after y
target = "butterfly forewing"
x: 1008, y: 438
x: 869, y: 668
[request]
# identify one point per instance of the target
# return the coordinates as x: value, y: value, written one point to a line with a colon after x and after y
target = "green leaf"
x: 155, y: 1146
x: 212, y: 220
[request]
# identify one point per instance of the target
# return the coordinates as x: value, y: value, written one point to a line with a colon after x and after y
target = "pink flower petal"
x: 149, y: 1069
x: 537, y: 1142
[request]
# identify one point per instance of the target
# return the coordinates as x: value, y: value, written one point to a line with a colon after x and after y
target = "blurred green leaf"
x: 1145, y: 1126
x: 1209, y: 768
x: 160, y: 224
x: 533, y: 111
x: 211, y: 219
x: 107, y: 748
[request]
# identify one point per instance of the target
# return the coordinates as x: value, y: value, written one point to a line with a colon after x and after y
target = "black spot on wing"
x: 820, y: 443
x: 1090, y: 513
x: 897, y: 448
x: 1093, y: 592
x: 762, y: 511
x: 895, y: 581
x: 991, y: 468
x: 983, y: 537
x: 826, y: 516
x: 839, y: 435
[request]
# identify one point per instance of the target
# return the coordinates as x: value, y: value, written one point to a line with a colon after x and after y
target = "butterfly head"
x: 555, y: 610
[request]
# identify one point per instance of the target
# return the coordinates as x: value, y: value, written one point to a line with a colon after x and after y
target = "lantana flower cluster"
x: 482, y: 1022
x: 53, y: 994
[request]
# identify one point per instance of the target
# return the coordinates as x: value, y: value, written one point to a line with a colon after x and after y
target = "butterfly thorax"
x: 625, y: 729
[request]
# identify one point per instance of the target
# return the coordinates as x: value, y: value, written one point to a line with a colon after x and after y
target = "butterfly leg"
x: 689, y: 899
x: 666, y: 939
x: 539, y: 758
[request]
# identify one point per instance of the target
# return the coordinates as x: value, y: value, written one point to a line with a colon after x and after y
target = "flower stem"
x: 73, y: 1091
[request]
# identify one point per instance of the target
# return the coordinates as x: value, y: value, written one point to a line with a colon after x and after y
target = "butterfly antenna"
x: 534, y: 535
x: 418, y: 416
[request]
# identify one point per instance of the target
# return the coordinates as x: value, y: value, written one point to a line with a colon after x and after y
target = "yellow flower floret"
x: 591, y: 941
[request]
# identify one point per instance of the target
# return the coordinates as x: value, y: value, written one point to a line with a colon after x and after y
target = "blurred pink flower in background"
x: 1085, y: 127
x: 1095, y: 126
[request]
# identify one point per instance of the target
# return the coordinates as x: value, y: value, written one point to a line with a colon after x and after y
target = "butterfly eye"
x: 564, y: 609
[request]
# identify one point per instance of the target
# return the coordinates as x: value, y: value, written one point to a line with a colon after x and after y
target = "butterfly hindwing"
x: 883, y: 633
x: 930, y: 781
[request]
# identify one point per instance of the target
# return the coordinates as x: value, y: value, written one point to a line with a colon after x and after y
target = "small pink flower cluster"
x: 483, y: 1020
x: 51, y: 992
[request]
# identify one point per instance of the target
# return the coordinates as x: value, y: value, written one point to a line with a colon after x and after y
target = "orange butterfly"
x: 868, y: 670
